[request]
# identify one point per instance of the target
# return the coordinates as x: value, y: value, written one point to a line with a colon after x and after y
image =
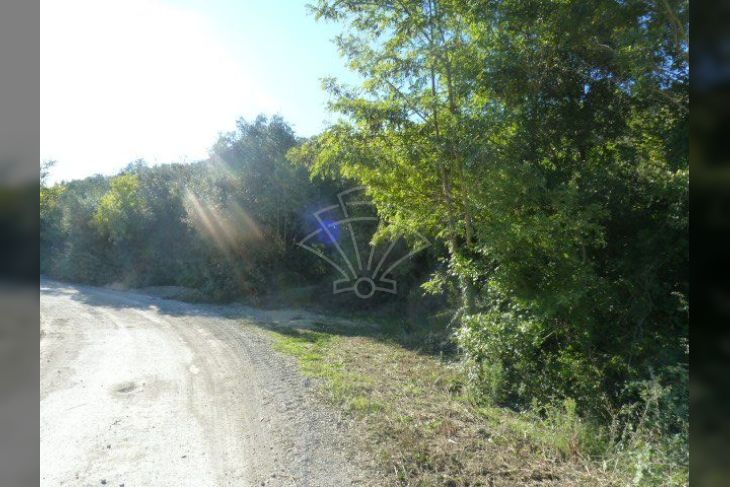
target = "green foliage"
x: 227, y: 226
x: 544, y: 143
x: 512, y: 359
x: 50, y: 223
x: 541, y: 145
x: 121, y: 209
x: 649, y: 437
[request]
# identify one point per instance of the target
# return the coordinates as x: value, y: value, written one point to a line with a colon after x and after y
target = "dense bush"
x: 544, y: 143
x: 227, y: 225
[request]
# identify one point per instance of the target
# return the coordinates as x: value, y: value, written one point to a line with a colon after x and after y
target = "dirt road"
x: 141, y: 391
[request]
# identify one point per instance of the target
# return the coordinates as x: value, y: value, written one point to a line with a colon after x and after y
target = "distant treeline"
x: 227, y: 226
x: 542, y: 146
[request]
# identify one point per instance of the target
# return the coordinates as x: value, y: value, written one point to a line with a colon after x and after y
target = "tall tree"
x: 544, y: 142
x: 408, y: 130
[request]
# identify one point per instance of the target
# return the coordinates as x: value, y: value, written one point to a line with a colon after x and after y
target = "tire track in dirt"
x: 143, y: 391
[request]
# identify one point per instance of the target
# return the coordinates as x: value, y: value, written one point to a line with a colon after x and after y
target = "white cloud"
x: 135, y: 78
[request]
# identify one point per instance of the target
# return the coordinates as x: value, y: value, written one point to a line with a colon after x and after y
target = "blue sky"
x: 159, y: 79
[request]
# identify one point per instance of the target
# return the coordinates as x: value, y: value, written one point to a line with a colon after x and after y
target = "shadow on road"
x: 430, y: 339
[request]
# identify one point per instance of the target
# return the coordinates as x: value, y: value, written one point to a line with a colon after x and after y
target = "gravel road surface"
x: 143, y: 391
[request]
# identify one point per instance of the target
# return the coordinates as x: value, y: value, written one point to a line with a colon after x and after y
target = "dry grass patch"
x: 421, y: 428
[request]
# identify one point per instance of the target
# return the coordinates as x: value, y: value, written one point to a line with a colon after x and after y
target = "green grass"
x: 313, y: 351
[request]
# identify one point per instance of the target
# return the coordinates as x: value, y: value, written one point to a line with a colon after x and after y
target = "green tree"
x: 408, y: 130
x: 51, y: 213
x: 121, y: 209
x: 544, y: 142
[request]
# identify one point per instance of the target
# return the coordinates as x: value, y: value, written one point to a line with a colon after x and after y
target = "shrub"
x: 510, y: 359
x: 649, y: 437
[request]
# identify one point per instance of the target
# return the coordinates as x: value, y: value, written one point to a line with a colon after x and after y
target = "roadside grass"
x: 416, y: 419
